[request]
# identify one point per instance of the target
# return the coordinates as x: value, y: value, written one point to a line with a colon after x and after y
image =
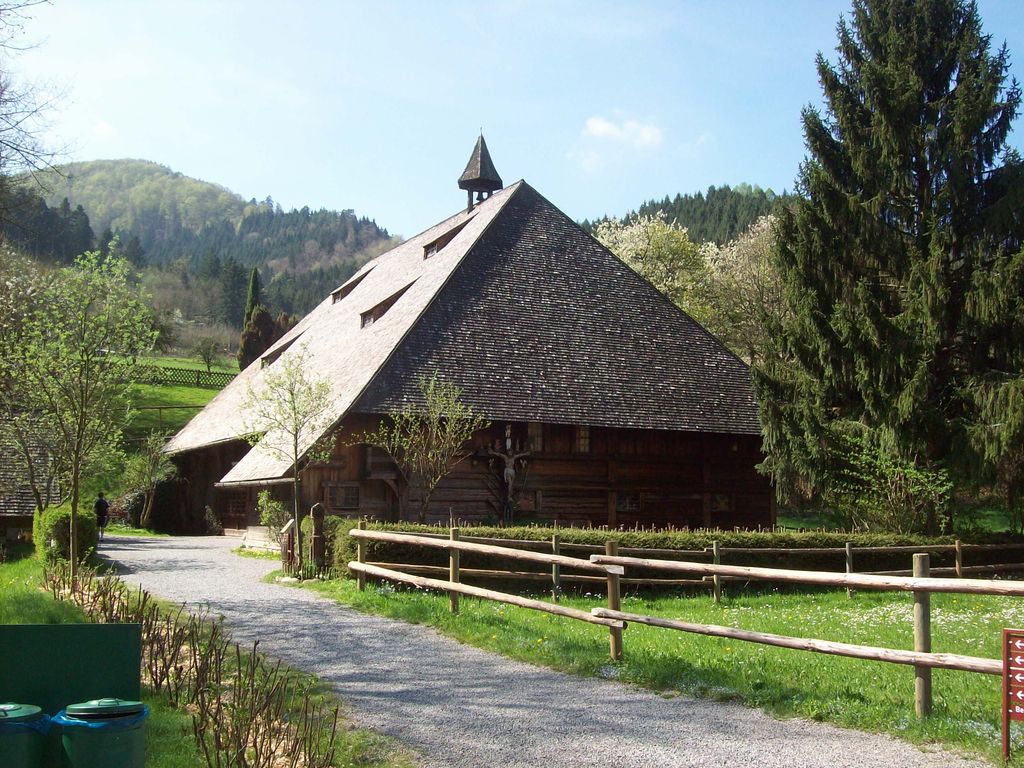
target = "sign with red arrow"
x: 1013, y: 682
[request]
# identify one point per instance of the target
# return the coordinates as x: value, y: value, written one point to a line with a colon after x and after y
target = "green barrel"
x: 22, y: 735
x: 103, y: 733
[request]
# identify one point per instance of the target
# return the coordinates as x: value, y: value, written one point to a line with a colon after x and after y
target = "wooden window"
x: 627, y: 503
x: 348, y: 287
x: 436, y: 245
x: 271, y: 355
x: 372, y: 315
x: 535, y: 437
x: 582, y: 439
x: 342, y: 496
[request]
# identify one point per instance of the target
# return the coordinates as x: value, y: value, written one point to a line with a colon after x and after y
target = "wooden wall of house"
x: 622, y: 478
x: 203, y: 469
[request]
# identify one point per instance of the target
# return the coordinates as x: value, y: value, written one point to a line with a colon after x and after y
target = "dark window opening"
x: 370, y: 316
x: 343, y: 496
x: 582, y: 439
x: 627, y: 503
x: 436, y: 245
x: 348, y: 287
x: 271, y: 355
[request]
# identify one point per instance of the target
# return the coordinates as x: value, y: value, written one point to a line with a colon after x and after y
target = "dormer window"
x: 348, y: 287
x: 370, y: 316
x: 436, y: 245
x: 271, y: 355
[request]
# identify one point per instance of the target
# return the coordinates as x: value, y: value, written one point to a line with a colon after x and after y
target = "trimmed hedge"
x: 380, y: 551
x: 51, y: 533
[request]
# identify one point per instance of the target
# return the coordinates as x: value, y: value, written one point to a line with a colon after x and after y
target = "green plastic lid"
x: 19, y: 713
x: 104, y: 708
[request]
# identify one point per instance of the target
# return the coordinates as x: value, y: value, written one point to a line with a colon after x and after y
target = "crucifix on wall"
x: 509, y: 459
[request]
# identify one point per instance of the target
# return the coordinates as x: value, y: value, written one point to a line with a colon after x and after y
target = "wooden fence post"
x: 959, y: 559
x: 716, y: 580
x: 556, y: 569
x: 453, y: 570
x: 611, y: 548
x: 361, y: 557
x: 922, y: 639
x: 317, y: 545
x: 849, y: 565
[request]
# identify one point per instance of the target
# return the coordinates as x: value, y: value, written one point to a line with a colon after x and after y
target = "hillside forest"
x: 195, y: 243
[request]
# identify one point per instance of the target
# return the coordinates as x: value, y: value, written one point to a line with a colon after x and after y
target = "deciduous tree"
x: 662, y: 252
x: 427, y: 440
x: 144, y: 469
x: 744, y: 290
x: 286, y: 415
x: 74, y: 362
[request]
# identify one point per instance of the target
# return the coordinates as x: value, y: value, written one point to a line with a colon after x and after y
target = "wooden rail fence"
x: 921, y: 584
x: 610, y: 567
x: 716, y: 553
x: 454, y: 586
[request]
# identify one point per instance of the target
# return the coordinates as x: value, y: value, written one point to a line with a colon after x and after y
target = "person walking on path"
x: 102, y: 510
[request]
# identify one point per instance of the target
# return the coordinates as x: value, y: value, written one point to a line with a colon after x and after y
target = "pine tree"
x: 252, y: 299
x: 907, y: 204
x: 232, y: 285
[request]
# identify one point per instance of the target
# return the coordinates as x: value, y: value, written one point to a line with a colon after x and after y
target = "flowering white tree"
x: 662, y: 252
x: 745, y: 291
x: 286, y: 415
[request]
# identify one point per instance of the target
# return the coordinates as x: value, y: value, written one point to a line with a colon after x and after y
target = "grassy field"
x: 169, y: 740
x: 987, y: 516
x: 859, y: 694
x: 164, y: 409
x: 222, y: 365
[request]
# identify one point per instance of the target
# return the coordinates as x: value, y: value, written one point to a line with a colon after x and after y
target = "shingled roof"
x: 480, y: 173
x: 527, y: 313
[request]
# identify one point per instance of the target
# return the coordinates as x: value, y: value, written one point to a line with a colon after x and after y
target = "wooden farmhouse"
x: 609, y: 405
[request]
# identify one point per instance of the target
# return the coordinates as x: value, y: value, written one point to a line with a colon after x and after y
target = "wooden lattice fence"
x: 187, y: 377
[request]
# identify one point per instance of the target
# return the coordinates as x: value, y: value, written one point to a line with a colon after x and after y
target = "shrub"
x: 380, y: 551
x: 51, y: 533
x: 273, y: 514
x: 333, y: 526
x: 130, y: 507
x: 211, y: 523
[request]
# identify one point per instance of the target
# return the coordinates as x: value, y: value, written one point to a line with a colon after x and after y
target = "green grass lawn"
x: 866, y: 695
x: 222, y: 365
x: 987, y: 516
x: 117, y: 528
x: 169, y: 741
x: 160, y: 409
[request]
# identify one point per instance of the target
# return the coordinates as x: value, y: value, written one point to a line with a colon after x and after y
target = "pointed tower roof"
x: 480, y: 174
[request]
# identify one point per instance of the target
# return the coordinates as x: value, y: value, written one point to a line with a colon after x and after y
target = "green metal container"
x: 103, y: 733
x: 23, y: 730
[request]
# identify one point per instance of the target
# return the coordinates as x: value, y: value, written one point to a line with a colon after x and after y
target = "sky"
x: 375, y: 106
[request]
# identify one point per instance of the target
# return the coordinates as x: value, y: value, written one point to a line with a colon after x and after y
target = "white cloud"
x: 630, y: 132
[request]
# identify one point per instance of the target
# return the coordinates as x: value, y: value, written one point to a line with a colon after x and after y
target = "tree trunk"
x: 295, y: 516
x: 73, y: 544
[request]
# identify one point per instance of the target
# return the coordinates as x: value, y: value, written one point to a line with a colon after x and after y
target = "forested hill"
x: 175, y: 216
x: 181, y: 223
x: 718, y: 215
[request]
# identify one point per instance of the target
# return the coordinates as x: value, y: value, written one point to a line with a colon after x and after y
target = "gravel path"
x: 458, y: 706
